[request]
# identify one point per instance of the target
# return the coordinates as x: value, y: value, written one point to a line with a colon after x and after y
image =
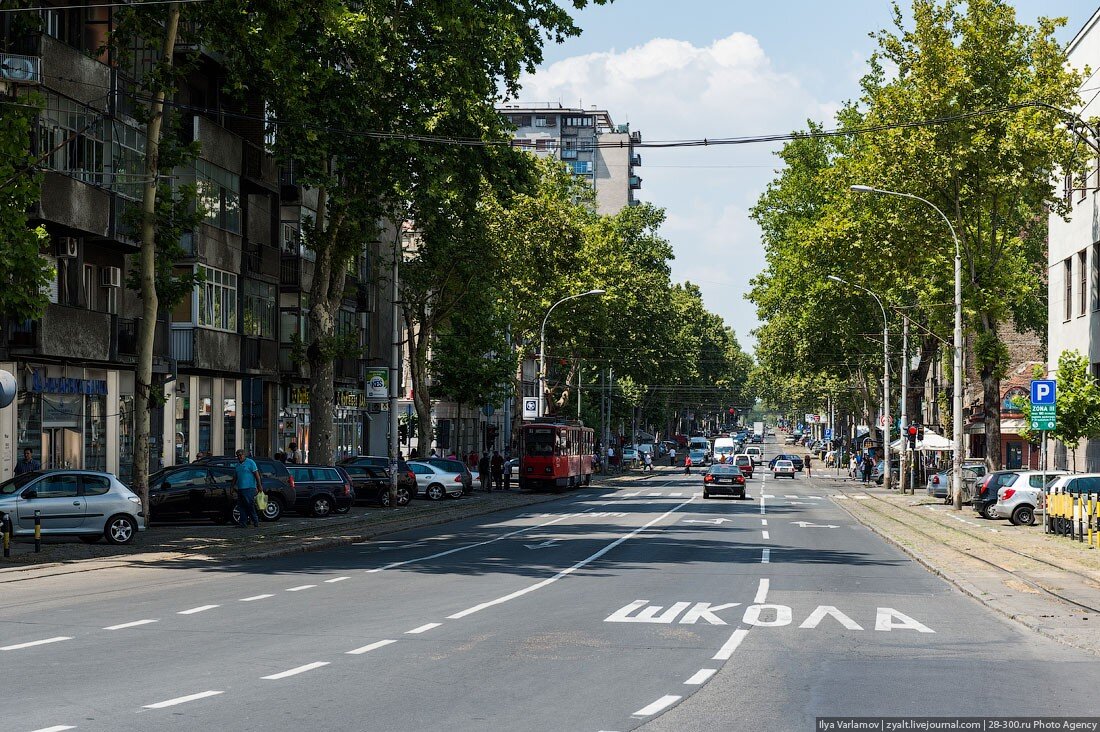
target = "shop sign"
x: 297, y: 395
x: 378, y: 383
x: 350, y: 398
x: 64, y: 385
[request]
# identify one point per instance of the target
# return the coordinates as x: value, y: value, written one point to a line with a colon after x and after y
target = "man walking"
x: 293, y: 454
x: 868, y: 468
x: 483, y: 473
x: 672, y: 457
x: 496, y: 467
x: 687, y: 465
x: 807, y: 462
x: 28, y: 464
x: 247, y: 480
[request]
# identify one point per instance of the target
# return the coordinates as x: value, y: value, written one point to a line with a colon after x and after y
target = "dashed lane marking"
x: 199, y: 609
x: 766, y: 555
x: 183, y: 699
x: 255, y: 597
x: 299, y: 588
x: 675, y: 495
x: 730, y: 645
x: 336, y: 579
x: 295, y: 671
x: 132, y: 624
x: 663, y: 703
x: 766, y: 535
x: 701, y: 676
x: 30, y: 644
x: 55, y: 728
x: 369, y: 647
x: 762, y: 591
x: 423, y: 628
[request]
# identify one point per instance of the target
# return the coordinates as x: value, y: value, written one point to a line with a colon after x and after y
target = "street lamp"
x: 957, y: 375
x: 886, y: 477
x: 542, y: 345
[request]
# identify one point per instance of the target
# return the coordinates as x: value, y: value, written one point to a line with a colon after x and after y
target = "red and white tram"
x: 555, y: 454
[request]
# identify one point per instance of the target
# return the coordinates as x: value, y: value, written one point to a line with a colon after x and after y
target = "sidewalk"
x: 1049, y: 584
x: 206, y: 542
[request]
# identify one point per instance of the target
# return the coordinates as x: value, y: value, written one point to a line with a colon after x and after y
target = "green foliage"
x: 1078, y: 402
x: 24, y: 274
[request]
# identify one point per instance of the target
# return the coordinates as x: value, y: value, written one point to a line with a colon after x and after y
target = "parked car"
x: 783, y: 468
x: 405, y: 477
x: 86, y: 503
x: 756, y: 453
x: 795, y: 459
x: 1019, y: 501
x: 278, y: 484
x: 434, y: 482
x: 895, y: 471
x: 939, y: 484
x: 456, y: 466
x: 193, y: 492
x: 372, y: 483
x: 322, y: 489
x: 1075, y: 483
x: 723, y: 479
x: 744, y: 462
x: 985, y: 491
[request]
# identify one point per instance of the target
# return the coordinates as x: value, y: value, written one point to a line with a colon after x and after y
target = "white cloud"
x: 672, y: 89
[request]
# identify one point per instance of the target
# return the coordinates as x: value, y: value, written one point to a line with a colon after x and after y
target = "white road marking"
x: 654, y: 495
x: 336, y: 579
x: 662, y: 703
x: 42, y: 642
x: 199, y: 609
x: 56, y: 728
x: 255, y: 597
x: 423, y: 628
x: 543, y: 545
x: 369, y: 647
x: 569, y: 570
x: 133, y: 624
x: 296, y: 671
x: 730, y: 645
x: 862, y: 498
x: 675, y: 495
x: 182, y: 699
x: 791, y: 496
x: 843, y: 498
x: 715, y: 521
x: 763, y: 522
x: 701, y: 676
x: 299, y: 588
x: 762, y: 591
x: 809, y: 525
x: 765, y: 534
x: 627, y: 495
x: 766, y: 556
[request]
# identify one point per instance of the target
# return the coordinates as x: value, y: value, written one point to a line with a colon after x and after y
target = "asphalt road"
x: 643, y: 606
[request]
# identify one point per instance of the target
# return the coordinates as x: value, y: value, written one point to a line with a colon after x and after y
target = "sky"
x: 722, y: 68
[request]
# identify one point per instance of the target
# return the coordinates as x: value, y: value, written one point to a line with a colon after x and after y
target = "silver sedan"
x: 435, y: 482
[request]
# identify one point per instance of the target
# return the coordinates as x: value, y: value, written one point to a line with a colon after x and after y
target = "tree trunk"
x: 418, y: 371
x: 148, y: 268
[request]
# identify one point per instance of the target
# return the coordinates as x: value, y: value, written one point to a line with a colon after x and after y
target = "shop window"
x: 95, y: 433
x: 183, y: 429
x: 229, y: 418
x: 206, y: 406
x: 29, y: 425
x: 126, y: 438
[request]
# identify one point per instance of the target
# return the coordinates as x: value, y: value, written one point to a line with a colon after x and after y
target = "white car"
x: 756, y: 454
x: 434, y: 482
x: 1019, y: 502
x: 783, y: 468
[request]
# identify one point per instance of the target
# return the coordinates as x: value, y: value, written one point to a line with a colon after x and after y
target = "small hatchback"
x: 84, y: 503
x: 1019, y: 501
x: 744, y: 462
x: 723, y: 479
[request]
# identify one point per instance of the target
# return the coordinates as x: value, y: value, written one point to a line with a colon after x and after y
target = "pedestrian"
x: 868, y: 468
x: 649, y: 461
x: 672, y: 457
x: 28, y: 464
x: 687, y: 465
x: 807, y: 462
x: 610, y: 458
x: 248, y: 482
x: 432, y: 454
x: 496, y: 469
x: 414, y: 454
x: 293, y: 454
x: 483, y: 473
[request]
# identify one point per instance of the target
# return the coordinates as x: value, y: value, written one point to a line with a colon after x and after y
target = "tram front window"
x: 540, y: 442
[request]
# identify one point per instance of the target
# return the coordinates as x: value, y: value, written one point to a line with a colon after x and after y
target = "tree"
x: 1078, y: 404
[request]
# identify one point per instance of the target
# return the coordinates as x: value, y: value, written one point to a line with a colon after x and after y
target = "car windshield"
x: 723, y: 469
x: 11, y: 485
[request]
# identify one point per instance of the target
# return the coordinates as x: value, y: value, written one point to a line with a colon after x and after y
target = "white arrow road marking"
x: 182, y: 699
x: 662, y: 703
x: 295, y: 671
x: 543, y: 545
x: 43, y: 642
x: 716, y: 521
x: 808, y: 525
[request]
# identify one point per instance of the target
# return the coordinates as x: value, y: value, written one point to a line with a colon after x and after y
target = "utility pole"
x: 903, y: 472
x: 395, y: 357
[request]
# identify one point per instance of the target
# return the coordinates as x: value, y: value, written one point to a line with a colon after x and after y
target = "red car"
x: 745, y: 463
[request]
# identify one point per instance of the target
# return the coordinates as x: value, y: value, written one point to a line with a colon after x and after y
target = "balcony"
x: 260, y: 168
x: 125, y: 338
x: 205, y: 348
x: 346, y: 368
x: 182, y: 345
x: 258, y: 354
x: 21, y: 335
x: 636, y: 160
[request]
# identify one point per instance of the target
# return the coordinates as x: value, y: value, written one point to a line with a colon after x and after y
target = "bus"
x: 555, y: 454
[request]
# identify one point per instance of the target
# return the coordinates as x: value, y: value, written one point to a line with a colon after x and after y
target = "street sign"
x: 828, y: 433
x: 530, y: 407
x: 1044, y: 391
x: 1043, y: 417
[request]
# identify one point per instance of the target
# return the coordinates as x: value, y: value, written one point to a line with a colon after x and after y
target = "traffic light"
x: 733, y: 412
x: 490, y: 435
x: 911, y: 433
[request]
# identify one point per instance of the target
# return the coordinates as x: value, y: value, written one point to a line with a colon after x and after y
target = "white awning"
x: 932, y: 442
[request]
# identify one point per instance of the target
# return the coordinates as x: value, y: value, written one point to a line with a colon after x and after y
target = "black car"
x: 986, y: 490
x: 192, y: 492
x: 724, y: 479
x: 372, y: 483
x: 405, y: 477
x: 277, y: 483
x: 454, y: 466
x: 797, y: 461
x: 322, y: 490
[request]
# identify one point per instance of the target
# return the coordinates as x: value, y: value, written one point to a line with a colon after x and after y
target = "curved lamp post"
x: 957, y: 375
x: 887, y: 478
x: 542, y: 345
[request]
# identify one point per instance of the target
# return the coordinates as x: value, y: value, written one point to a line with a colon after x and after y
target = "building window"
x: 259, y: 309
x: 1096, y: 276
x: 70, y: 139
x: 229, y: 417
x: 219, y: 195
x: 1083, y: 277
x: 90, y: 286
x: 546, y: 121
x: 577, y: 122
x: 217, y: 299
x: 1067, y: 267
x: 127, y: 160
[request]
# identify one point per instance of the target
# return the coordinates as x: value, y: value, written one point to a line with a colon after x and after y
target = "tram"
x: 555, y: 454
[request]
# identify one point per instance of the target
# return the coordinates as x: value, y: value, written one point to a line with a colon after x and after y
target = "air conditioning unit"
x: 111, y: 276
x: 20, y: 69
x: 66, y: 248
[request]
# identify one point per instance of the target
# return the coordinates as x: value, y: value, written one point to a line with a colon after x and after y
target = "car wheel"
x: 1023, y: 515
x: 91, y: 538
x: 321, y: 506
x: 384, y: 498
x: 403, y: 496
x: 274, y: 510
x: 120, y: 529
x: 436, y: 492
x: 988, y: 511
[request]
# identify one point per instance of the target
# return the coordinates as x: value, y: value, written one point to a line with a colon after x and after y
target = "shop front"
x: 350, y: 406
x: 203, y: 418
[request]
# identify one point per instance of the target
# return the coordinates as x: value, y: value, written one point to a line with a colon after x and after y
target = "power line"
x: 38, y: 8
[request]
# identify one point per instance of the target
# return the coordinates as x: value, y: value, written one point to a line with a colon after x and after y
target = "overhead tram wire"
x: 37, y: 8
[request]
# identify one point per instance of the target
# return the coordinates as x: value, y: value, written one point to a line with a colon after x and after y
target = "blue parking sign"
x: 1043, y: 391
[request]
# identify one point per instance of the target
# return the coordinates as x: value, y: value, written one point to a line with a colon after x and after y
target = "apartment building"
x: 229, y: 355
x: 1073, y: 257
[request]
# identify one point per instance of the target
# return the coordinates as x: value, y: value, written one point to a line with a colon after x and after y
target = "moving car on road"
x: 698, y: 457
x: 744, y: 462
x: 434, y: 482
x: 723, y: 479
x: 795, y: 459
x: 90, y: 504
x: 783, y: 468
x: 756, y: 453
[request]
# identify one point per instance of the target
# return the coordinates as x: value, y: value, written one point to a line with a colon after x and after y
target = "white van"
x: 723, y: 446
x: 755, y: 453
